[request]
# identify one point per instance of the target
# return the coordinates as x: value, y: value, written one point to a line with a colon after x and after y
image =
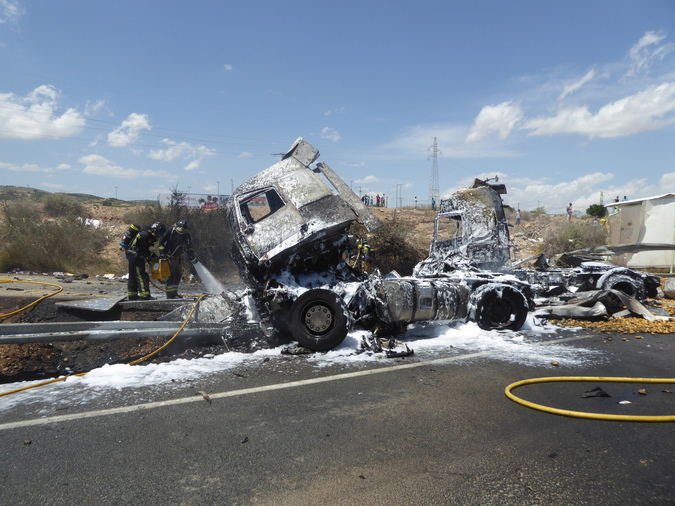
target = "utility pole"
x: 434, y: 192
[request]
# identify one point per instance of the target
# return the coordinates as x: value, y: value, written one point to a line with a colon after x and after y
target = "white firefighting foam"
x: 532, y: 346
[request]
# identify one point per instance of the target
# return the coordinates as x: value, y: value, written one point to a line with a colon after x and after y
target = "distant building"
x: 184, y: 199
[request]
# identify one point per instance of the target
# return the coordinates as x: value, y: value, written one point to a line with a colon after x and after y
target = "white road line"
x: 255, y: 390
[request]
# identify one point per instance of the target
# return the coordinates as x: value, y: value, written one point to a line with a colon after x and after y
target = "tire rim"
x: 503, y: 312
x: 318, y: 318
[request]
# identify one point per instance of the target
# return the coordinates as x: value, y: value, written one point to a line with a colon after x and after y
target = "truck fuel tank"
x: 413, y: 300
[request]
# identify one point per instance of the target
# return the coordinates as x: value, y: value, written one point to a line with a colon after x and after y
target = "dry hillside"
x: 525, y: 238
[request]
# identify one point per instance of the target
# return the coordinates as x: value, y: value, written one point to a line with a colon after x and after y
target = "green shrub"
x: 572, y: 236
x: 393, y: 248
x: 60, y: 244
x: 596, y: 210
x: 58, y: 205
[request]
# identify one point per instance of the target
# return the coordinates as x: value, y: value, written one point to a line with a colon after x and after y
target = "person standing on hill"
x: 175, y: 242
x: 138, y: 285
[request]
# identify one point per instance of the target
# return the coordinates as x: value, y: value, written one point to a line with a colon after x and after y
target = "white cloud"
x: 10, y: 11
x: 93, y: 108
x: 129, y: 130
x: 650, y: 109
x: 577, y: 85
x: 340, y: 110
x: 183, y: 150
x: 501, y: 118
x: 418, y: 141
x: 227, y: 67
x: 194, y: 164
x: 330, y: 133
x: 27, y: 167
x: 34, y: 116
x: 245, y: 154
x: 667, y: 182
x: 368, y: 180
x: 100, y: 166
x: 31, y: 167
x: 581, y: 192
x: 642, y: 54
x: 618, y: 108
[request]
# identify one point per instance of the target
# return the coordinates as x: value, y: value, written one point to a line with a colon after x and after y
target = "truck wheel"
x: 500, y: 307
x: 319, y: 320
x: 626, y: 284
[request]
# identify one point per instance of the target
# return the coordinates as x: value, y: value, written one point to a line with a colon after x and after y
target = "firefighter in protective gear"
x: 138, y: 253
x: 175, y: 242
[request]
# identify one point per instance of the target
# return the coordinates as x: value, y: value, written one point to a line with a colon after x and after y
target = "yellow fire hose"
x: 60, y: 289
x: 63, y: 378
x: 582, y: 414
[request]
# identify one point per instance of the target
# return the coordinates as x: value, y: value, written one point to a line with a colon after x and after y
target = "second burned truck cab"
x: 470, y: 230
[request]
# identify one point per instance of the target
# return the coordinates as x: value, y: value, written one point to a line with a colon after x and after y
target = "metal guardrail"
x: 17, y: 333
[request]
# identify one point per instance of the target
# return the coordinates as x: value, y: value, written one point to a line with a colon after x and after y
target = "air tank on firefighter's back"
x: 129, y: 236
x: 413, y: 300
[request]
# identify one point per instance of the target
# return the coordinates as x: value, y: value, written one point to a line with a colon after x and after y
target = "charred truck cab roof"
x: 289, y: 209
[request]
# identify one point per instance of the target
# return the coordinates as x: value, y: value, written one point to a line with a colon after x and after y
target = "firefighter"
x: 138, y: 253
x: 175, y: 242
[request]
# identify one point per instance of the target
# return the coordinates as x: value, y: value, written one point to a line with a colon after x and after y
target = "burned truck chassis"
x: 320, y: 318
x: 291, y: 241
x: 481, y: 243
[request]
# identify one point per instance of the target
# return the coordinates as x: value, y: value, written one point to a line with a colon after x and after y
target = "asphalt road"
x: 405, y: 431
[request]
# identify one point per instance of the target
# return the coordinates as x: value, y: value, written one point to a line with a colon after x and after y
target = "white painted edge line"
x: 255, y: 390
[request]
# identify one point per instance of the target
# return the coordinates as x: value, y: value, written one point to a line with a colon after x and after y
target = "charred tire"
x: 499, y: 307
x: 319, y: 320
x: 626, y: 284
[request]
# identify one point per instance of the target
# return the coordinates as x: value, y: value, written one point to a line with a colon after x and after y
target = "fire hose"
x: 60, y: 289
x: 63, y: 378
x: 583, y: 414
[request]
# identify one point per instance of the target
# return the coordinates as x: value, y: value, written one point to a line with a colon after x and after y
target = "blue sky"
x: 562, y: 100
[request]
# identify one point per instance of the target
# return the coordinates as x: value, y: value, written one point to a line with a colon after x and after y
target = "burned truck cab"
x: 470, y: 226
x: 288, y: 218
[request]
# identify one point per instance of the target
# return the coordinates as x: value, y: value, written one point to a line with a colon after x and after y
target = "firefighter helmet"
x: 181, y: 226
x: 157, y: 229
